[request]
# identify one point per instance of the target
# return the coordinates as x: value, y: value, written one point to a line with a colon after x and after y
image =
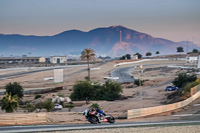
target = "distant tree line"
x: 125, y: 57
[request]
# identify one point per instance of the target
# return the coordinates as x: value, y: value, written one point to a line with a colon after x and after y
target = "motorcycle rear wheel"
x: 93, y: 120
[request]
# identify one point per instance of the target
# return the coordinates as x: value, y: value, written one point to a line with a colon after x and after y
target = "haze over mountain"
x: 105, y: 41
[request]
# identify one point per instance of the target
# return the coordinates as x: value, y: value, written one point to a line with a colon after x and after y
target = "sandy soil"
x: 152, y: 93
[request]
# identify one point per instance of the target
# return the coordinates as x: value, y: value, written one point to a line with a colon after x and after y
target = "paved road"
x: 35, y: 71
x: 37, y: 128
x: 43, y: 69
x: 123, y: 74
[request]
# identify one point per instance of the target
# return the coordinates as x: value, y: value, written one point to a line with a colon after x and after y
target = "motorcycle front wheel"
x: 111, y: 119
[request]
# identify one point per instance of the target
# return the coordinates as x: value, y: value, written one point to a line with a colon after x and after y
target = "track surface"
x: 37, y: 128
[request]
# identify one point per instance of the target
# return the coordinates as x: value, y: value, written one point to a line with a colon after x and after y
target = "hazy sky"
x: 176, y: 20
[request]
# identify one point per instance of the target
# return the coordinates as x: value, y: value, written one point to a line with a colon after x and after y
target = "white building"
x: 22, y: 60
x: 192, y: 58
x: 58, y: 59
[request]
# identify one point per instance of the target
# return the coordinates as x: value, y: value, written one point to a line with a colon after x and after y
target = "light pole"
x: 30, y: 60
x: 140, y: 72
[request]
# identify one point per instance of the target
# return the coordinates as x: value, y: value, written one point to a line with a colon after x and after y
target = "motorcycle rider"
x: 99, y: 111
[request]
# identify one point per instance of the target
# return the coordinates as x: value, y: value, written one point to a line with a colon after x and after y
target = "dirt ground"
x: 152, y: 93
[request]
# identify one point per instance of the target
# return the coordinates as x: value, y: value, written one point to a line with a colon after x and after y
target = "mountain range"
x: 104, y: 41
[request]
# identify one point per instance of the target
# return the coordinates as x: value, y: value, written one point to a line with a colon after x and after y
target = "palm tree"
x: 9, y: 103
x: 88, y: 54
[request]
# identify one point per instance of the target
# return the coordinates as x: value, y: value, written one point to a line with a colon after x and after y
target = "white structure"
x: 58, y: 59
x: 192, y: 59
x: 198, y: 62
x: 58, y: 99
x: 22, y: 60
x: 58, y: 75
x: 135, y: 57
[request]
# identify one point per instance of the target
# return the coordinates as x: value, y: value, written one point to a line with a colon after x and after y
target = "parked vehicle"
x: 171, y: 88
x: 57, y: 107
x: 95, y: 117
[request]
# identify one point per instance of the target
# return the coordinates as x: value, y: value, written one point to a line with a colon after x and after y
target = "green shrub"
x: 14, y: 89
x: 60, y: 95
x: 111, y: 96
x: 86, y: 78
x: 188, y: 86
x: 82, y: 89
x: 95, y: 105
x: 183, y: 79
x: 30, y: 107
x: 38, y: 96
x: 138, y: 82
x: 109, y: 91
x: 69, y: 106
x: 39, y: 105
x: 48, y: 105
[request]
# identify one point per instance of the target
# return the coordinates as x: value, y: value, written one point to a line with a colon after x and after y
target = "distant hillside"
x: 102, y: 40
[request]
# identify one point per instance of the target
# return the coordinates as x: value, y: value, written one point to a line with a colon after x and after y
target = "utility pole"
x: 120, y: 36
x: 187, y: 46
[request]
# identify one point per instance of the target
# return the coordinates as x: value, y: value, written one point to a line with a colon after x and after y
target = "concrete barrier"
x: 135, y: 113
x: 22, y: 119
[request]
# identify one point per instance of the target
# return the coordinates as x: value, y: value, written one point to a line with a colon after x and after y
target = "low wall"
x: 22, y: 119
x: 195, y: 90
x: 134, y: 113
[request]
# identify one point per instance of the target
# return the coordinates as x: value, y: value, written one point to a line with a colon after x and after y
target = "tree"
x: 9, y: 103
x: 123, y: 58
x: 195, y: 51
x: 128, y: 56
x: 183, y: 79
x: 157, y: 52
x: 139, y: 55
x: 109, y: 91
x: 95, y: 105
x: 82, y: 89
x: 148, y: 54
x: 180, y: 49
x: 88, y: 54
x: 104, y: 58
x: 14, y: 89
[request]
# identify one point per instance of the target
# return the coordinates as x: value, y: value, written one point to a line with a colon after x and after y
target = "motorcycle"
x: 95, y: 117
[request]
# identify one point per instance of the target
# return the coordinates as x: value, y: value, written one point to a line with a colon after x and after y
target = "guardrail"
x: 22, y: 119
x: 135, y: 113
